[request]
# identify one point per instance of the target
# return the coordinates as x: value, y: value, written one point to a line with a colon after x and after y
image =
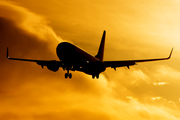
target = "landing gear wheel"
x: 93, y: 76
x: 70, y: 75
x: 66, y: 75
x: 97, y: 76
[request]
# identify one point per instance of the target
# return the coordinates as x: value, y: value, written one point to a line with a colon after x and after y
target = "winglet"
x: 170, y: 54
x: 7, y: 53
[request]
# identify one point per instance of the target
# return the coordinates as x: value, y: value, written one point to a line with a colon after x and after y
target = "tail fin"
x: 100, y: 53
x: 7, y: 55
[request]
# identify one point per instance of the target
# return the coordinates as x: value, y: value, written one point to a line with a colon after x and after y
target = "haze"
x: 135, y: 30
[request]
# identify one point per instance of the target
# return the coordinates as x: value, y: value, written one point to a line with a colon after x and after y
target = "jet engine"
x: 53, y: 66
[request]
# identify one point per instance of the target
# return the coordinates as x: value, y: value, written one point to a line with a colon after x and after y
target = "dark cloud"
x: 23, y: 44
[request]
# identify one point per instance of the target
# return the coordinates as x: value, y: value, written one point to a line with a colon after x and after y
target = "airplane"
x: 73, y: 58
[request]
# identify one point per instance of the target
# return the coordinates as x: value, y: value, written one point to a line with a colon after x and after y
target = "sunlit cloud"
x: 166, y: 72
x: 156, y: 98
x: 31, y: 29
x: 160, y: 83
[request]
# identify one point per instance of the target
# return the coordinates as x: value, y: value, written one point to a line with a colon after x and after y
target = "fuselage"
x: 78, y: 59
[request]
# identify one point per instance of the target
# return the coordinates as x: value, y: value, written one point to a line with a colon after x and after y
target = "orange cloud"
x: 28, y: 92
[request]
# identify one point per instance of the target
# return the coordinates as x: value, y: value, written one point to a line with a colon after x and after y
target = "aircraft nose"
x: 65, y: 51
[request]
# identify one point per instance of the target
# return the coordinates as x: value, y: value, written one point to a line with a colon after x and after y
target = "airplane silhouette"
x: 72, y: 58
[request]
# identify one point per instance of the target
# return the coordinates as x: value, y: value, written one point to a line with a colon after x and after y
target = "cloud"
x: 28, y: 92
x: 21, y: 41
x: 25, y: 88
x: 166, y: 72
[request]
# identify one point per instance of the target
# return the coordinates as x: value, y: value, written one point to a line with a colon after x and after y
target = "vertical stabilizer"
x: 100, y: 53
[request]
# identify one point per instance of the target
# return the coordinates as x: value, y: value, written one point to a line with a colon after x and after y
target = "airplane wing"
x: 49, y: 63
x: 114, y: 64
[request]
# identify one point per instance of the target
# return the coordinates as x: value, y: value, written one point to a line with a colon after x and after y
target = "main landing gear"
x: 97, y: 76
x: 68, y: 75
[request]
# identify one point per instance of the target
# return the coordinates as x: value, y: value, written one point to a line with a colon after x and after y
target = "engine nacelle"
x: 53, y: 66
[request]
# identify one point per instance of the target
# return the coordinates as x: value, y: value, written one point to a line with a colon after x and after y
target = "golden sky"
x: 135, y: 30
